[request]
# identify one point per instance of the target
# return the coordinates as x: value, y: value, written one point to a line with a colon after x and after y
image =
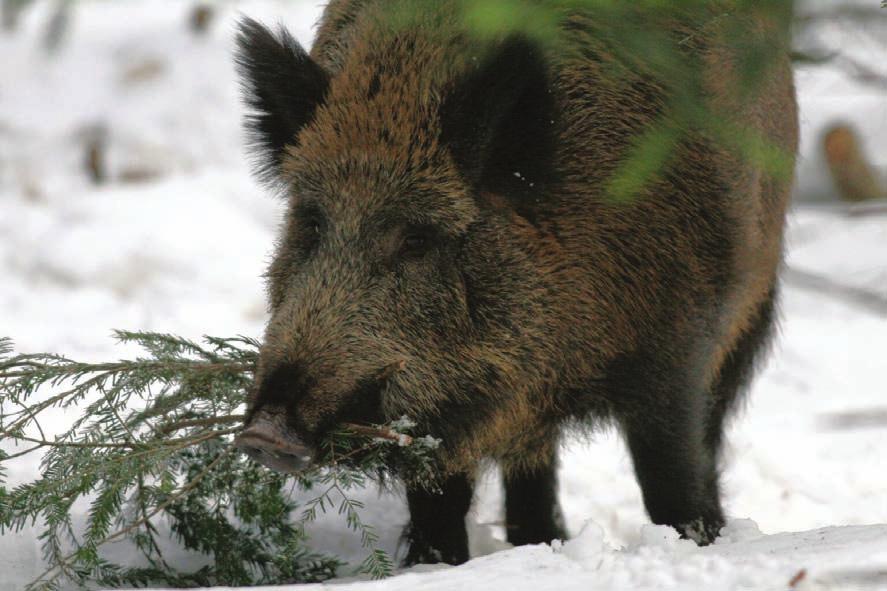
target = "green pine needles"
x: 150, y: 451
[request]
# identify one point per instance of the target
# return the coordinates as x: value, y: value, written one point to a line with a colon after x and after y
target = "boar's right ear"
x: 498, y: 121
x: 283, y: 88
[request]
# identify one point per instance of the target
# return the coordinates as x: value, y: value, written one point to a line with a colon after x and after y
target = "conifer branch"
x: 153, y: 440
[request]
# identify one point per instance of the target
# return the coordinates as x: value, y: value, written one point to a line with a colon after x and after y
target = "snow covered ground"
x: 152, y: 249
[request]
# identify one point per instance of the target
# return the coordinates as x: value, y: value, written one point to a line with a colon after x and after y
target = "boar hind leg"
x: 532, y: 513
x: 436, y: 532
x: 738, y: 367
x: 677, y: 473
x: 678, y: 478
x: 665, y: 428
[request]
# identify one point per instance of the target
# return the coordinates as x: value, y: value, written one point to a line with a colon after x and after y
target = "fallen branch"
x: 856, y: 419
x: 858, y: 296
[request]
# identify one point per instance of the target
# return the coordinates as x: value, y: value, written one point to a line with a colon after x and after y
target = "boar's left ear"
x: 498, y: 122
x: 284, y: 87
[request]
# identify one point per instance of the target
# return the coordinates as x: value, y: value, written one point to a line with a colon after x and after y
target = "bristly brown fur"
x: 449, y: 208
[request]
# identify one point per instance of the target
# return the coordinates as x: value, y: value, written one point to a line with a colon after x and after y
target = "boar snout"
x: 269, y: 441
x: 292, y: 414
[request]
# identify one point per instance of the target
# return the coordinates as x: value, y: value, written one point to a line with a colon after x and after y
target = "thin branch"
x: 105, y: 372
x: 39, y: 407
x: 33, y: 418
x: 140, y: 445
x: 867, y: 208
x: 177, y: 444
x: 73, y: 444
x: 874, y: 207
x: 205, y: 422
x: 870, y: 300
x: 107, y: 369
x: 856, y: 419
x: 179, y: 494
x: 861, y: 72
x: 377, y: 433
x: 19, y: 454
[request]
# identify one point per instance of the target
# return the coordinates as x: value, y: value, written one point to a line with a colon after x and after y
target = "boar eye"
x: 416, y: 242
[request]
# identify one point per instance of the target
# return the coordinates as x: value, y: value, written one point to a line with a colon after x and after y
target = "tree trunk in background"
x: 855, y: 179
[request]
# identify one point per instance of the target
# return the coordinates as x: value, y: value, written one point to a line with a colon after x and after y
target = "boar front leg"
x: 532, y: 513
x: 436, y: 532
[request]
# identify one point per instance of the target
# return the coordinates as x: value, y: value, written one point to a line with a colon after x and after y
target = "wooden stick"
x: 871, y: 300
x: 389, y: 434
x: 857, y: 419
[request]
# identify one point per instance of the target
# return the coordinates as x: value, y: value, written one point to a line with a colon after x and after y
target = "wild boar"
x: 451, y: 207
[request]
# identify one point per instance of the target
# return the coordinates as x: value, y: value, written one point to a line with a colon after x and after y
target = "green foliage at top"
x: 152, y: 441
x: 633, y: 35
x: 659, y: 41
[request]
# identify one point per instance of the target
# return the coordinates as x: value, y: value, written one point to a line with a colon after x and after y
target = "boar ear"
x: 499, y: 121
x: 283, y: 87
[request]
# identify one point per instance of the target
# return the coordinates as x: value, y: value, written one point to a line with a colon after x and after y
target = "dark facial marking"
x: 283, y: 387
x: 311, y: 227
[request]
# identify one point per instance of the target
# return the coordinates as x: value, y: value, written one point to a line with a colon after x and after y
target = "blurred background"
x: 126, y: 202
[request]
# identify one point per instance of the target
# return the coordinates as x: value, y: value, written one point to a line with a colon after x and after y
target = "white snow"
x: 78, y: 261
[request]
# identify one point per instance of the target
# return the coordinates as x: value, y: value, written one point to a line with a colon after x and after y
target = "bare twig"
x: 862, y: 209
x: 870, y: 300
x: 862, y: 72
x: 106, y: 369
x: 47, y: 443
x: 867, y: 209
x: 205, y: 422
x: 134, y: 445
x: 856, y: 419
x: 19, y: 454
x: 378, y: 433
x: 33, y: 417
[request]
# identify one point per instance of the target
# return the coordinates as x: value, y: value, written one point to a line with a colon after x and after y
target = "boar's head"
x: 411, y: 169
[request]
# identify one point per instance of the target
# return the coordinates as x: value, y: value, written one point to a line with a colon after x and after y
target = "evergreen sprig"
x: 153, y: 440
